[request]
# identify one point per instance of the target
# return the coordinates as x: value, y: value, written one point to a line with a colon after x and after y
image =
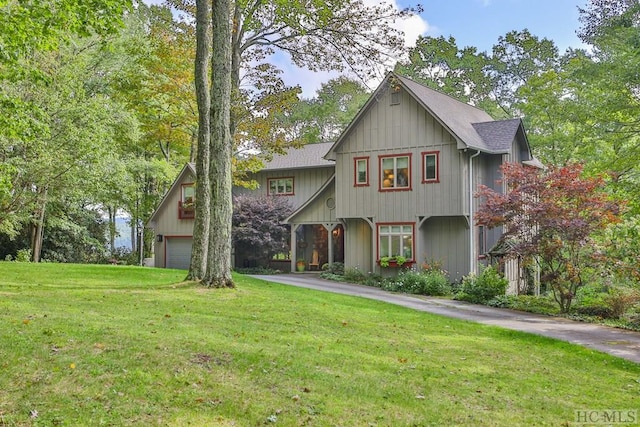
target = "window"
x: 395, y: 172
x: 280, y: 187
x: 395, y: 95
x: 188, y: 193
x: 395, y: 240
x: 431, y: 166
x: 187, y: 203
x: 361, y: 171
x: 482, y: 242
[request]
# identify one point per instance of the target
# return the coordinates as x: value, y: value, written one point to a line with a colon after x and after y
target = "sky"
x: 476, y: 23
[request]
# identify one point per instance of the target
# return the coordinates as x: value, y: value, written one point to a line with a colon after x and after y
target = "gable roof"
x: 471, y: 126
x: 499, y: 134
x: 308, y: 156
x: 302, y: 207
x: 189, y: 168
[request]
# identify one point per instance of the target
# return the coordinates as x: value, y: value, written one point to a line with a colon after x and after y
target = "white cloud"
x: 311, y: 81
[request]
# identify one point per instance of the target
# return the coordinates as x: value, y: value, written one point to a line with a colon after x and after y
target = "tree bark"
x: 38, y: 229
x: 198, y: 266
x: 219, y: 253
x: 112, y: 229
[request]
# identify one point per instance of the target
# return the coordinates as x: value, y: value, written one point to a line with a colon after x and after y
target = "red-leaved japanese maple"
x: 550, y: 216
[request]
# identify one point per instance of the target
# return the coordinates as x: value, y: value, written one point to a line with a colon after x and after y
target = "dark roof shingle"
x: 308, y: 156
x: 498, y: 135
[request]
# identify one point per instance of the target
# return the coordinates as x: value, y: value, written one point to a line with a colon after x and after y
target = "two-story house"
x: 400, y: 180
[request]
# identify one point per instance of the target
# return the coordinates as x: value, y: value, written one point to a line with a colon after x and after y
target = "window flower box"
x: 394, y: 262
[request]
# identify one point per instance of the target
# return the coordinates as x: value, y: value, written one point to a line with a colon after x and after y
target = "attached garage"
x: 178, y: 252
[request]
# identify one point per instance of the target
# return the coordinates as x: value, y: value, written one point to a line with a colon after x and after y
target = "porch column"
x: 330, y: 229
x: 294, y: 246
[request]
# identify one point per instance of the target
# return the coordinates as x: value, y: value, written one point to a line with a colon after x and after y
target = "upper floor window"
x: 395, y: 94
x: 395, y: 240
x: 187, y: 203
x: 280, y: 186
x: 361, y: 171
x: 395, y: 172
x: 431, y: 166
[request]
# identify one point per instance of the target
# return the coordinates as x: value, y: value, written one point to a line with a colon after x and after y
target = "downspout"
x: 472, y: 260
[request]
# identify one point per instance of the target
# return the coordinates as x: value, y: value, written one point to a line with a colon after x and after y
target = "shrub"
x: 336, y: 268
x: 480, y: 289
x: 607, y: 303
x: 257, y: 270
x: 595, y: 310
x: 23, y: 255
x: 353, y: 275
x: 374, y: 280
x: 619, y: 300
x: 432, y: 282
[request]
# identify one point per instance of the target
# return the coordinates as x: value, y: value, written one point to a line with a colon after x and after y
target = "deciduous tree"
x: 551, y: 216
x: 330, y: 35
x: 218, y: 271
x: 258, y: 226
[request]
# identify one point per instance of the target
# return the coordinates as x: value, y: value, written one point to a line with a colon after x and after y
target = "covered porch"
x: 313, y: 245
x: 317, y: 236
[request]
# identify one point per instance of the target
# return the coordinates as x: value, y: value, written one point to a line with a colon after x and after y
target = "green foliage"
x: 257, y: 270
x: 397, y: 260
x: 323, y: 117
x: 427, y: 282
x: 23, y: 255
x: 482, y: 288
x: 620, y: 300
x: 620, y: 246
x: 354, y: 275
x: 543, y: 304
x: 335, y: 268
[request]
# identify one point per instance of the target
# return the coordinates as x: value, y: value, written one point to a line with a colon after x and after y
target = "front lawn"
x: 114, y: 345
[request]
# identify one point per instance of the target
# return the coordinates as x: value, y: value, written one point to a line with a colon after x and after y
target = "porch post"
x: 294, y: 246
x: 331, y: 243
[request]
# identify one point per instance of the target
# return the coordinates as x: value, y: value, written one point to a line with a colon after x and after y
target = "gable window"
x: 395, y: 240
x: 395, y: 95
x: 187, y: 203
x: 431, y: 166
x: 395, y: 172
x: 280, y: 186
x: 361, y: 171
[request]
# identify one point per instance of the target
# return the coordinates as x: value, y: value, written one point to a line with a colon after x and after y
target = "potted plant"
x: 300, y: 264
x: 392, y: 261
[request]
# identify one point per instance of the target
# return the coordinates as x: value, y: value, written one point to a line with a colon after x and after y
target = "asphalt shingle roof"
x: 309, y: 156
x: 498, y: 135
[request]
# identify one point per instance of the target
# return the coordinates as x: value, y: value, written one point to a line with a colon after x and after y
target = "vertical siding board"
x: 403, y: 128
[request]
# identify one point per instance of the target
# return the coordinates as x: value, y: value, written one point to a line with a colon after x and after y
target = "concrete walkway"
x: 617, y: 342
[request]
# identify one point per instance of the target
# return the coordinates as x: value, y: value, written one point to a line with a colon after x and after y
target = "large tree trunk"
x: 199, y: 251
x: 219, y: 255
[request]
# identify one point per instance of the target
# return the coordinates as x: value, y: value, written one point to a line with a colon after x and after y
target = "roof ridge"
x: 439, y: 92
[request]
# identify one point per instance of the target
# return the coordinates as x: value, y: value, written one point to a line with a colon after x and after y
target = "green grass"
x: 113, y: 345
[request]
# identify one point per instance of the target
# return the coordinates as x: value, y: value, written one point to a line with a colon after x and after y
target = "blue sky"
x: 480, y: 22
x: 476, y: 23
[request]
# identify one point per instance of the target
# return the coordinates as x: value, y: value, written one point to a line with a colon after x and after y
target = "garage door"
x: 178, y: 252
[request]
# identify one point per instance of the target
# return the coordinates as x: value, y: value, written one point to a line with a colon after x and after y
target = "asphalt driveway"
x: 618, y: 342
